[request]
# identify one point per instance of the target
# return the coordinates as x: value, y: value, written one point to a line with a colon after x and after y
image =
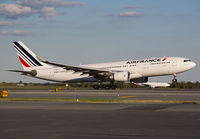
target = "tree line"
x: 181, y: 85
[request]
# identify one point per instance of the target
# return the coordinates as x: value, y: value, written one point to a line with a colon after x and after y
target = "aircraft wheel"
x: 174, y: 80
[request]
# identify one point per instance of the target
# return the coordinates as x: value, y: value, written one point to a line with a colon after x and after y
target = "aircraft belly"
x: 82, y: 79
x: 65, y: 76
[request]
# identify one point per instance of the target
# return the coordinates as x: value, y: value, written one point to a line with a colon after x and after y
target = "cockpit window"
x: 187, y: 60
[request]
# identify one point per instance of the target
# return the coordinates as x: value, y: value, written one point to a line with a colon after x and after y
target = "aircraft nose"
x: 193, y: 64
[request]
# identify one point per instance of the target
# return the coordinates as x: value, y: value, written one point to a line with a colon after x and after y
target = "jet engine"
x: 121, y: 76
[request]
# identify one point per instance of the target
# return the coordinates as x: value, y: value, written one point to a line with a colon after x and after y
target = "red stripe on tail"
x: 23, y: 62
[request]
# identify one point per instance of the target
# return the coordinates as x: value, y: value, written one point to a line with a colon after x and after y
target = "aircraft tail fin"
x: 28, y: 59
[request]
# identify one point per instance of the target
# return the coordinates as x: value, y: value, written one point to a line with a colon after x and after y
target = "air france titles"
x: 143, y: 61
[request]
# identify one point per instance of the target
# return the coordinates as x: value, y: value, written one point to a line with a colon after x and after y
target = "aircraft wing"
x: 83, y: 69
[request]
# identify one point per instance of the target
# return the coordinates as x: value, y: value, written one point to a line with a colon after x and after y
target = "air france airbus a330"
x: 136, y: 71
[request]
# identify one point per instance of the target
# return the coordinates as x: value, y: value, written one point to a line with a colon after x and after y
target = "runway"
x: 81, y: 120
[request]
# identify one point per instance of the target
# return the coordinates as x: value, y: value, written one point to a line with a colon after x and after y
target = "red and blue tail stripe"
x: 23, y: 62
x: 25, y: 57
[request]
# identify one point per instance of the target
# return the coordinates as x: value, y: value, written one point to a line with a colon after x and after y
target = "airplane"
x: 136, y: 71
x: 152, y: 84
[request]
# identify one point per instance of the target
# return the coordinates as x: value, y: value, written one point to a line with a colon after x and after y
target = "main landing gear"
x: 105, y: 86
x: 174, y: 80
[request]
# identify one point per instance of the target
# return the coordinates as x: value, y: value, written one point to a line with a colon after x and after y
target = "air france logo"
x: 146, y: 61
x: 164, y: 59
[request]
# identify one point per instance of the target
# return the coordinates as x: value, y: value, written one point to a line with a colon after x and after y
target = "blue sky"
x: 91, y: 31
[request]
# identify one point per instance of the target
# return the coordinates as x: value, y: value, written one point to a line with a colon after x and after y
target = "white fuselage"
x: 136, y: 68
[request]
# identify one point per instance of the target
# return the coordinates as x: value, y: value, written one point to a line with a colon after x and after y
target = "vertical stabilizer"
x: 28, y: 59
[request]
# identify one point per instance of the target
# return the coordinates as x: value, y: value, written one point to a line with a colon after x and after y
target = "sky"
x: 95, y: 31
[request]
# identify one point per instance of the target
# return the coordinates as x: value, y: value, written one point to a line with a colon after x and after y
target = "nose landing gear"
x: 174, y: 80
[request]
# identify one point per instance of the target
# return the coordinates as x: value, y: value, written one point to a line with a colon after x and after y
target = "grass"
x: 94, y: 100
x: 7, y: 87
x: 63, y: 100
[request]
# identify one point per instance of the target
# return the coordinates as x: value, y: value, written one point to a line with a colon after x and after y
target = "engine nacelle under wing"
x: 121, y: 76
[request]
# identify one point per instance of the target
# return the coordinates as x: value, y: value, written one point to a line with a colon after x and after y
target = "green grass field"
x: 94, y: 100
x: 12, y: 86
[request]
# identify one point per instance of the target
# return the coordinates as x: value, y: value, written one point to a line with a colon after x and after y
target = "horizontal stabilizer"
x: 32, y: 72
